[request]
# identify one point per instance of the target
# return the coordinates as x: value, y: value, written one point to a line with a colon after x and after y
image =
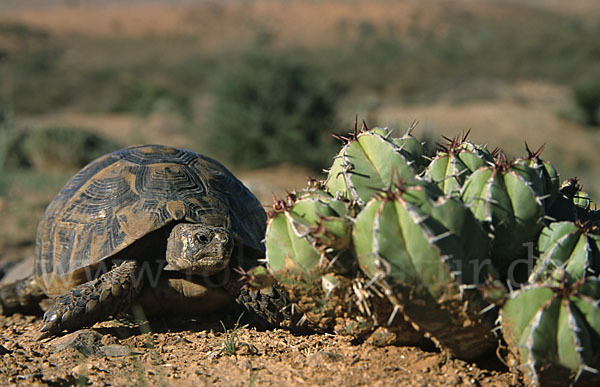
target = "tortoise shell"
x: 123, y: 196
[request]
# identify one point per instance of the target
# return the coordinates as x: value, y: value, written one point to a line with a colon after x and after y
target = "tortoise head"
x: 198, y: 248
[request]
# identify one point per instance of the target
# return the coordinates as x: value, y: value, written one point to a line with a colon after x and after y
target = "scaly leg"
x: 94, y: 301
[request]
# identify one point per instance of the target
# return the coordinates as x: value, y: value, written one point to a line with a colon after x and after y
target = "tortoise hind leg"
x: 21, y: 296
x: 271, y: 305
x: 263, y: 297
x: 94, y: 301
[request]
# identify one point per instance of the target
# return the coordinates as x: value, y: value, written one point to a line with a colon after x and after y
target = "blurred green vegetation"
x: 61, y: 148
x: 142, y: 96
x: 58, y: 149
x: 587, y: 98
x: 34, y: 164
x: 269, y: 110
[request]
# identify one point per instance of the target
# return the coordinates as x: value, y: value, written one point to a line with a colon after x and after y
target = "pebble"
x: 382, y: 337
x: 321, y: 357
x: 116, y: 350
x: 85, y: 341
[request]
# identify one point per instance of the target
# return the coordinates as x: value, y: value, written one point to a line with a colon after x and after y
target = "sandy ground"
x: 188, y: 352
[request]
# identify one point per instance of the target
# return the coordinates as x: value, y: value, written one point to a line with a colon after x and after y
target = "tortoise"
x: 160, y: 225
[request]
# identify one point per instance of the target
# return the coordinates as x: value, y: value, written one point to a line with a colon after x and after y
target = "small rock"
x: 108, y: 340
x: 382, y: 337
x: 116, y: 350
x: 247, y: 349
x: 3, y: 351
x: 321, y: 357
x: 85, y: 341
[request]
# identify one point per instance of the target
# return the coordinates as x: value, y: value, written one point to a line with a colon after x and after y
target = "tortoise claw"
x: 44, y: 335
x: 51, y: 324
x: 46, y: 327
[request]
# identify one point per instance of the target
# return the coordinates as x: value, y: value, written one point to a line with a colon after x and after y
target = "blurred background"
x: 261, y: 85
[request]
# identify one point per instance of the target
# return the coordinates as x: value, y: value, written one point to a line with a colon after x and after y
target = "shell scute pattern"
x: 122, y: 196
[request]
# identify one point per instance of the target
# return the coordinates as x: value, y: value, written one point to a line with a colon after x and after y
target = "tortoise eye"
x: 202, y: 238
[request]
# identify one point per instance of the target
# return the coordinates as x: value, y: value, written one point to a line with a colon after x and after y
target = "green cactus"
x: 594, y: 217
x: 409, y: 145
x: 428, y: 253
x: 369, y: 160
x: 572, y: 202
x: 507, y: 198
x: 306, y: 229
x: 554, y: 330
x: 547, y: 173
x: 456, y: 161
x: 309, y: 254
x: 571, y: 248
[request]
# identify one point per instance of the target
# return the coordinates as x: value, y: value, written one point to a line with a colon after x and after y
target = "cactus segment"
x: 434, y: 271
x: 457, y: 160
x: 285, y: 247
x: 408, y: 145
x: 412, y: 149
x: 546, y: 172
x: 321, y: 219
x: 308, y: 227
x: 367, y: 164
x: 301, y: 237
x: 573, y: 248
x: 451, y: 171
x: 572, y: 202
x: 554, y: 331
x: 506, y: 198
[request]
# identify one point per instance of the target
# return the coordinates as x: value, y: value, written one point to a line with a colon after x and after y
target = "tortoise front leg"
x: 94, y: 301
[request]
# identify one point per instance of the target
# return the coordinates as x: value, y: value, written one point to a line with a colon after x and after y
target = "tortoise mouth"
x: 203, y: 266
